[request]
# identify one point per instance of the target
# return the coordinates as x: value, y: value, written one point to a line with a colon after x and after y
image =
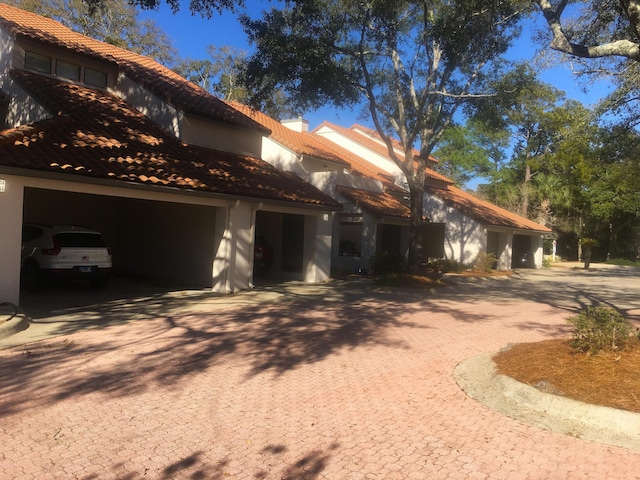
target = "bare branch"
x: 562, y: 43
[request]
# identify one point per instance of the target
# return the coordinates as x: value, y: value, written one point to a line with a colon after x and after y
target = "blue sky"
x: 191, y: 34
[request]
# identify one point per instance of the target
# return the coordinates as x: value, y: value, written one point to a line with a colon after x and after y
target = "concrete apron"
x: 12, y: 320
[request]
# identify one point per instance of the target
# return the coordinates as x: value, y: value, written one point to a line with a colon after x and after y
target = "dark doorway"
x: 522, y: 254
x: 292, y: 243
x: 391, y: 239
x: 433, y: 241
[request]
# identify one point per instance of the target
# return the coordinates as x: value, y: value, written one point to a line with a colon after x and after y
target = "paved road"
x: 338, y: 381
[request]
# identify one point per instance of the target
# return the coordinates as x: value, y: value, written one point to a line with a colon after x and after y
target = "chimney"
x: 297, y: 124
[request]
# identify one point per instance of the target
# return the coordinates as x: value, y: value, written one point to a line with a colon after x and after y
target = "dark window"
x: 37, y: 62
x: 68, y: 70
x: 79, y: 239
x: 95, y: 77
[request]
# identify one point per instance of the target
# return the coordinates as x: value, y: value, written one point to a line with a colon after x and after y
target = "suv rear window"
x: 79, y: 239
x: 30, y: 233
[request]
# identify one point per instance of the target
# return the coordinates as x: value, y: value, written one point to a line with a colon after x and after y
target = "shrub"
x: 385, y: 262
x: 445, y: 265
x: 599, y: 328
x: 485, y: 262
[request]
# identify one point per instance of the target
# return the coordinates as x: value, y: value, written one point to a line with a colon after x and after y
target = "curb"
x: 477, y: 377
x: 16, y: 322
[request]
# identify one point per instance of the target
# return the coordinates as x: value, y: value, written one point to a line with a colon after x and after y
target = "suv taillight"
x: 55, y: 250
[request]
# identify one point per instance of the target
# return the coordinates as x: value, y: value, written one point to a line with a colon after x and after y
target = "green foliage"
x: 485, y: 262
x: 414, y: 66
x: 623, y: 262
x: 206, y: 8
x: 462, y: 155
x: 587, y: 242
x: 599, y: 328
x: 385, y: 263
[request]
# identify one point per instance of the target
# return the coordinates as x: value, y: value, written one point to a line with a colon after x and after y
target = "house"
x: 458, y: 225
x: 172, y: 176
x: 374, y: 216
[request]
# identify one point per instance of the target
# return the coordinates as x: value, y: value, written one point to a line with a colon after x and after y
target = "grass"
x: 623, y: 262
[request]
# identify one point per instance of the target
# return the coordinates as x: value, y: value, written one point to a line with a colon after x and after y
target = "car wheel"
x: 31, y: 276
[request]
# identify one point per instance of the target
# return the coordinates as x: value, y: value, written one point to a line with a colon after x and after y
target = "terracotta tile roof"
x: 484, y: 212
x: 378, y: 203
x: 96, y: 134
x: 166, y: 84
x: 377, y: 147
x: 360, y: 166
x: 305, y: 143
x: 376, y: 136
x: 302, y: 143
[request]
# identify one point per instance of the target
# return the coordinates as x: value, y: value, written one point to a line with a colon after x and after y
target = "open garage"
x: 185, y: 240
x: 157, y: 239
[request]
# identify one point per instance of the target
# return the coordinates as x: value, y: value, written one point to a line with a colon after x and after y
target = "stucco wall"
x: 282, y: 158
x: 10, y: 239
x: 372, y: 157
x: 150, y: 105
x: 219, y: 136
x: 464, y: 237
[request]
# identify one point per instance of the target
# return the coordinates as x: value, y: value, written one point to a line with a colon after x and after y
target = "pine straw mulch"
x: 552, y: 366
x: 431, y: 278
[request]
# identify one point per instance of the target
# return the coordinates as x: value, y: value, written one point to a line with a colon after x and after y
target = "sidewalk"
x: 317, y: 382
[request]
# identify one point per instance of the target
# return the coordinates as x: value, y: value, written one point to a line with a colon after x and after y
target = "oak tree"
x: 415, y: 65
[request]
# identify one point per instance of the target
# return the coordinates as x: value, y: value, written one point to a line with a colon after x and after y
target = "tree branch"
x: 562, y: 43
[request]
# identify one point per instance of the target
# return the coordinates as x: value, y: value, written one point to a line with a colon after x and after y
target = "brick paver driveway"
x: 340, y: 381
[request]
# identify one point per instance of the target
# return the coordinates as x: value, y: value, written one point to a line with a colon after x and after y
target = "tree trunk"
x: 415, y: 234
x: 525, y: 191
x: 586, y: 256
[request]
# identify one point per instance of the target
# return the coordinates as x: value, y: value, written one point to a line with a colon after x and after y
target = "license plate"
x: 85, y: 269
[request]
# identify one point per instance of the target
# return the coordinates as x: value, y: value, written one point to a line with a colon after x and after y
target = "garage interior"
x: 167, y: 243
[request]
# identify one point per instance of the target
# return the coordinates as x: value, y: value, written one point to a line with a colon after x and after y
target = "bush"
x: 599, y: 328
x: 385, y: 262
x: 445, y: 266
x: 485, y: 262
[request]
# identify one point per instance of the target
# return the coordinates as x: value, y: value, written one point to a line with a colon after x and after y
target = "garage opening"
x: 433, y: 241
x: 522, y: 254
x: 160, y: 241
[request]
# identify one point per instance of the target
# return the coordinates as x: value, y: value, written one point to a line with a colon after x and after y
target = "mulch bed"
x: 607, y: 379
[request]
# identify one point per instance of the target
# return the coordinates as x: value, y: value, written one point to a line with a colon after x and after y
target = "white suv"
x: 65, y: 252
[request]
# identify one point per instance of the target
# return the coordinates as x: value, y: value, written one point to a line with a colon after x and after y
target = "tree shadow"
x: 157, y: 342
x: 308, y: 466
x: 159, y: 352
